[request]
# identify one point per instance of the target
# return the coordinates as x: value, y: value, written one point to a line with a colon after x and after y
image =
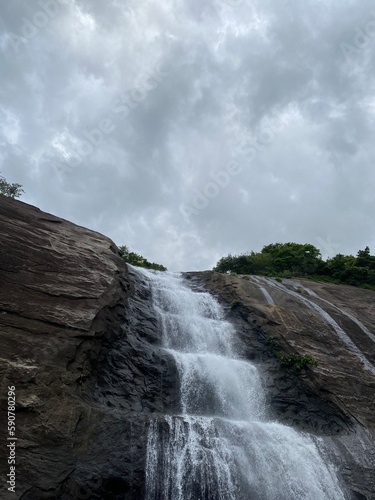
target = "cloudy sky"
x: 188, y: 130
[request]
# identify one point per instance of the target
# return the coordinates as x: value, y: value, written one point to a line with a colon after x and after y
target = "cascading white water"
x: 221, y: 446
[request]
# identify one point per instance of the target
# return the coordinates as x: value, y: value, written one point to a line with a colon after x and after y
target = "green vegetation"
x: 288, y: 260
x: 12, y: 190
x: 277, y: 259
x: 295, y: 361
x: 272, y: 341
x: 139, y: 261
x: 234, y: 304
x: 124, y: 331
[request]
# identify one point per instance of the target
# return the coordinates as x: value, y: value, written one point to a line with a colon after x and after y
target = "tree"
x: 12, y: 190
x: 365, y: 259
x: 275, y: 259
x: 135, y: 259
x: 340, y: 267
x: 304, y: 260
x: 240, y: 264
x: 296, y: 258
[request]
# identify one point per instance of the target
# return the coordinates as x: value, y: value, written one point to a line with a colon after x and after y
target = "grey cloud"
x: 228, y: 72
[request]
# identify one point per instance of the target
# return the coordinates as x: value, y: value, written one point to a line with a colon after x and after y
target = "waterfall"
x: 222, y: 446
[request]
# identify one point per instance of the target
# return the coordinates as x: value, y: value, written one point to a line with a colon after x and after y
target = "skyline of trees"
x: 287, y: 260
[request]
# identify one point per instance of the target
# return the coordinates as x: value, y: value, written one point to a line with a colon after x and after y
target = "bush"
x: 272, y: 341
x: 11, y: 190
x: 137, y: 260
x: 295, y: 361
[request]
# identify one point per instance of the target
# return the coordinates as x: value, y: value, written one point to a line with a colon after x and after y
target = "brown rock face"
x: 334, y: 324
x: 79, y: 344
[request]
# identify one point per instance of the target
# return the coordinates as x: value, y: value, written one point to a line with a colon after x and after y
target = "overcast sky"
x: 190, y: 129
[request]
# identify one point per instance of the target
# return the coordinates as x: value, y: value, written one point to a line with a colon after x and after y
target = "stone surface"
x: 334, y: 400
x: 78, y: 340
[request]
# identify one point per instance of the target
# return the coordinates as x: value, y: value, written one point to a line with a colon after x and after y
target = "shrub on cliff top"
x: 137, y: 260
x: 12, y: 190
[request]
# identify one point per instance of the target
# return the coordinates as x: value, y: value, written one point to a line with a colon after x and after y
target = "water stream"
x: 364, y: 329
x: 327, y: 318
x: 222, y: 446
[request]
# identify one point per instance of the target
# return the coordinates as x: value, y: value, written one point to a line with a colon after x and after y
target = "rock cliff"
x: 80, y: 342
x: 333, y: 324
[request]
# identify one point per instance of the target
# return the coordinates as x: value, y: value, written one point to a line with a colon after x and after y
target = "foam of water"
x: 221, y: 446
